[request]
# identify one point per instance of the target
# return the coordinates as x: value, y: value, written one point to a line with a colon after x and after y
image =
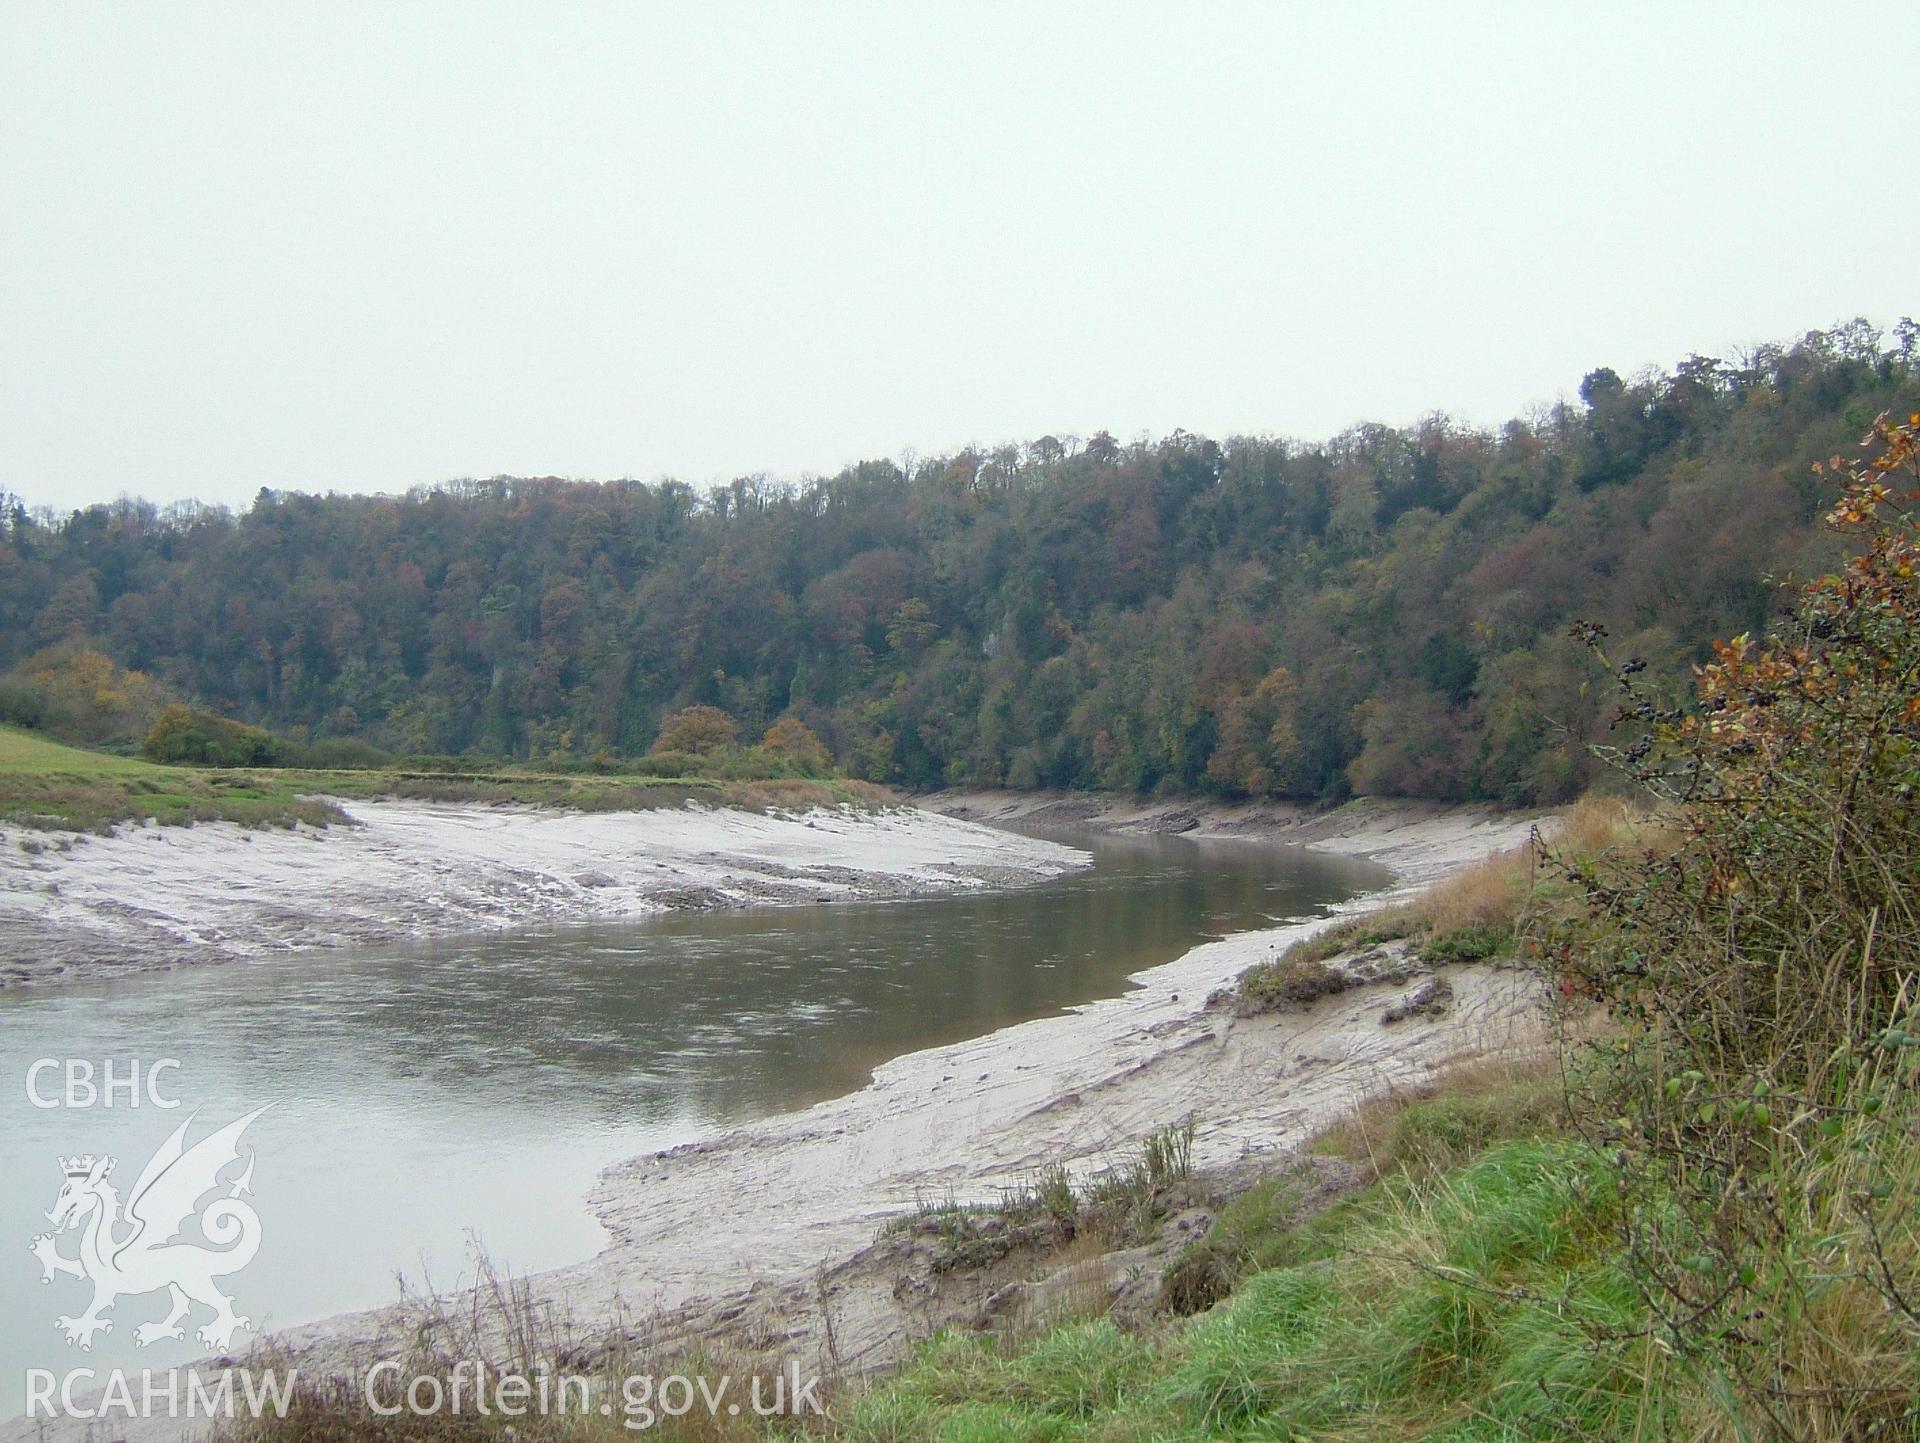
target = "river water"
x: 430, y: 1097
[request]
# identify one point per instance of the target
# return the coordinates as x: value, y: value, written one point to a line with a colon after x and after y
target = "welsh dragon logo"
x: 124, y: 1253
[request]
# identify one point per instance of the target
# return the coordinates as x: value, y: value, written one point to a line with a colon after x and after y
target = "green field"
x: 47, y: 785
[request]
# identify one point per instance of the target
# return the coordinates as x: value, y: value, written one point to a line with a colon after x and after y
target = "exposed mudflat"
x: 1418, y: 840
x: 146, y: 897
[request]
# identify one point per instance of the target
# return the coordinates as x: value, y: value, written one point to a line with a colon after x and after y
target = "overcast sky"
x: 357, y: 247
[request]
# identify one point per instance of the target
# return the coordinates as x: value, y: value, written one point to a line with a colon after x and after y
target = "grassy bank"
x: 1421, y: 1305
x: 1460, y: 1306
x: 47, y: 785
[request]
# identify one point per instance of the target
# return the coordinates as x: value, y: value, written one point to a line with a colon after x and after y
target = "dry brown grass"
x: 1477, y: 911
x: 1443, y: 1123
x: 1596, y: 825
x: 1490, y: 893
x: 1497, y: 891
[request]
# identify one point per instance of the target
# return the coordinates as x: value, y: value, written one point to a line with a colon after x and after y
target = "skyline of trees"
x: 1386, y: 611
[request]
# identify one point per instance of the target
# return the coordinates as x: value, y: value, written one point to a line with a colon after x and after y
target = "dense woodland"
x: 1385, y: 612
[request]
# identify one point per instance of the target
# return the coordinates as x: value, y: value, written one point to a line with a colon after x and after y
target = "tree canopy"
x: 1386, y: 611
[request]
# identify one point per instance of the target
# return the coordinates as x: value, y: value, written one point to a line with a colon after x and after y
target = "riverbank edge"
x: 1417, y: 840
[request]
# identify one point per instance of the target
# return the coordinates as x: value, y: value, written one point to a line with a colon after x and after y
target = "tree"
x: 1414, y: 745
x: 1258, y: 745
x: 793, y: 742
x: 1755, y: 1104
x: 699, y: 731
x: 914, y: 614
x: 85, y: 696
x: 911, y: 628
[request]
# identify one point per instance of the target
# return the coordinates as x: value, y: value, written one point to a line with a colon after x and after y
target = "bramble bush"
x: 1758, y: 1108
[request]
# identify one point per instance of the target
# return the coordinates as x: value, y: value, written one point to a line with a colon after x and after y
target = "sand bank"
x: 146, y: 897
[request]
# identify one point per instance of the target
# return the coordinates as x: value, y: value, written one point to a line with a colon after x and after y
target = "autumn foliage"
x: 86, y: 696
x: 792, y: 741
x: 698, y: 731
x: 1382, y: 611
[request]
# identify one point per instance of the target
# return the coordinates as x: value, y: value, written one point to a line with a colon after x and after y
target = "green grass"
x: 24, y: 753
x: 47, y: 785
x: 1450, y: 1122
x: 1460, y: 1307
x: 1474, y: 1292
x: 1413, y: 1139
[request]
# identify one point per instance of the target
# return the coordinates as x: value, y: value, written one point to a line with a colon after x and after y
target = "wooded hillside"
x: 1384, y: 612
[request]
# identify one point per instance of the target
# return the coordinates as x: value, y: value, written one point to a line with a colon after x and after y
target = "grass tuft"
x: 1287, y: 984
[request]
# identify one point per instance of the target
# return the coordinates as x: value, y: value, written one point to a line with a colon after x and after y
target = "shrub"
x: 1287, y: 985
x: 345, y: 754
x: 1466, y: 944
x: 185, y: 734
x: 667, y: 764
x: 441, y: 764
x: 21, y: 703
x: 1758, y: 1112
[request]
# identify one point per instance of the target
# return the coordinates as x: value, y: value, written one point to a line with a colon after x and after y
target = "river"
x: 434, y: 1097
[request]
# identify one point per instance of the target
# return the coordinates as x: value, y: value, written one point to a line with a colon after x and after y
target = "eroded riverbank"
x: 1417, y: 840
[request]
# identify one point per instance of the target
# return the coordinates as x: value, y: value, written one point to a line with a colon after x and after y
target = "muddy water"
x: 428, y: 1098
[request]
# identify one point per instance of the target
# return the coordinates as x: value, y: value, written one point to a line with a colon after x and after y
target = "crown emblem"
x: 82, y: 1165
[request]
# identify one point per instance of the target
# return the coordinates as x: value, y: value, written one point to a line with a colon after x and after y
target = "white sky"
x: 358, y: 246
